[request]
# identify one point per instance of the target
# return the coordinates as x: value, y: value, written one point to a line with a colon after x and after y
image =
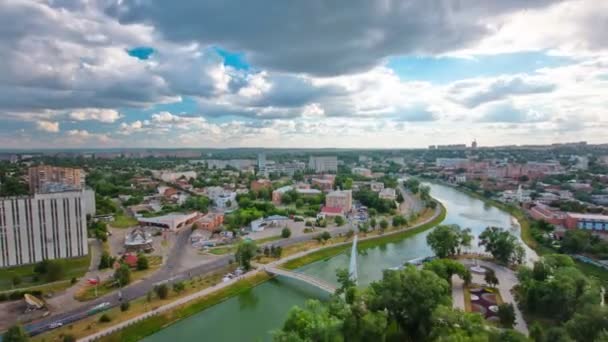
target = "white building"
x: 43, y: 226
x: 361, y: 171
x: 451, y: 162
x: 323, y: 164
x: 220, y: 196
x: 388, y: 194
x: 172, y: 177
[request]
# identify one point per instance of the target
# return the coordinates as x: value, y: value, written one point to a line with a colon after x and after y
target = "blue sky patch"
x: 440, y: 70
x: 141, y: 52
x: 234, y: 59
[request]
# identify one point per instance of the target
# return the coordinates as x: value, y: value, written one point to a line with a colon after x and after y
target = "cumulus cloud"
x: 506, y: 112
x: 96, y: 114
x: 473, y: 93
x: 47, y: 126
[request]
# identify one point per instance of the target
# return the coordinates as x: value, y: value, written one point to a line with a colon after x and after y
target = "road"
x: 411, y: 204
x: 166, y: 273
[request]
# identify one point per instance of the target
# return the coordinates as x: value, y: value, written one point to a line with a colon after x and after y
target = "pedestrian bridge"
x: 302, y: 277
x: 352, y: 271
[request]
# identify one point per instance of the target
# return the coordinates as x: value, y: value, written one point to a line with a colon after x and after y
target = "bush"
x: 124, y: 306
x: 105, y: 318
x: 308, y: 224
x: 179, y: 287
x: 69, y: 338
x: 285, y: 233
x: 142, y: 262
x: 162, y: 291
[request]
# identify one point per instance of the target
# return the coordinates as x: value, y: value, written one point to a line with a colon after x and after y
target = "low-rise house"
x: 388, y: 194
x: 211, y: 221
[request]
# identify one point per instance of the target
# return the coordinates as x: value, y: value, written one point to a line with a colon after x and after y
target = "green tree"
x: 179, y: 287
x: 490, y: 278
x: 285, y: 233
x: 54, y: 271
x: 503, y: 246
x: 373, y: 223
x: 162, y: 291
x: 16, y: 280
x: 142, y: 262
x: 339, y: 220
x: 537, y: 334
x: 383, y: 224
x: 447, y: 240
x: 314, y: 322
x: 410, y: 296
x: 124, y: 306
x: 123, y: 275
x: 588, y: 323
x: 347, y: 284
x: 506, y: 315
x: 446, y: 268
x: 16, y: 333
x: 246, y: 251
x: 106, y: 260
x: 105, y: 318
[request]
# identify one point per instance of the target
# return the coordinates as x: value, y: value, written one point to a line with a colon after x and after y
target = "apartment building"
x: 47, y: 178
x: 323, y: 164
x: 44, y: 226
x: 342, y: 199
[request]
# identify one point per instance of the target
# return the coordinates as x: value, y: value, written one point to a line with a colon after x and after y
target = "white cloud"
x: 96, y: 114
x: 47, y: 126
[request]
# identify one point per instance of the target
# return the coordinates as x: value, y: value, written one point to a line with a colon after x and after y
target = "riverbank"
x: 366, y: 242
x: 526, y: 233
x: 146, y: 326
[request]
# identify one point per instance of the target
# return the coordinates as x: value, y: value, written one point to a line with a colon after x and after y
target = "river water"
x: 254, y: 314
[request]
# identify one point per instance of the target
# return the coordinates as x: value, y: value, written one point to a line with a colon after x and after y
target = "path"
x: 506, y: 281
x: 164, y: 308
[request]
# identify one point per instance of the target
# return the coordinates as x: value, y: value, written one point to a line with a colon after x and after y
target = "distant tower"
x: 520, y: 194
x: 474, y: 144
x: 262, y: 164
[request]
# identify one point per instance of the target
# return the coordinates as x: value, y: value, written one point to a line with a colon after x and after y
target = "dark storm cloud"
x: 322, y: 37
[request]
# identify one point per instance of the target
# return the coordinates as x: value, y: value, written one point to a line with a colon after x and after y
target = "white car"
x: 55, y: 325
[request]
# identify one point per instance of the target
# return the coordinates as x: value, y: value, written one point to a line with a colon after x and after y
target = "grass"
x: 268, y: 239
x: 88, y: 292
x: 90, y: 325
x: 222, y: 250
x: 154, y: 324
x: 122, y: 220
x: 73, y: 268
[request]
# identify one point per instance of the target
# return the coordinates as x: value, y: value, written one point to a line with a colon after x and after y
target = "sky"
x: 305, y: 74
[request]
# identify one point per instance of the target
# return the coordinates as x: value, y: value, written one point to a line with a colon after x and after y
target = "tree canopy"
x: 447, y: 240
x: 503, y: 246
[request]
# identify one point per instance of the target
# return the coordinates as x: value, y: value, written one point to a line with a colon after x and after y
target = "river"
x: 252, y: 315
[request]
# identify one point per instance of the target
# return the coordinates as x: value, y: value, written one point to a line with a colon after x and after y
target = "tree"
x: 490, y: 278
x: 123, y: 275
x: 179, y: 287
x: 325, y: 236
x: 537, y: 334
x: 105, y: 318
x: 588, y: 323
x: 410, y: 296
x: 446, y: 268
x: 314, y: 322
x: 346, y: 284
x: 446, y: 240
x: 106, y: 260
x: 124, y: 306
x: 69, y: 338
x: 16, y: 280
x: 339, y: 221
x: 162, y: 291
x: 383, y: 224
x: 503, y: 246
x: 400, y: 198
x: 575, y: 241
x: 285, y: 233
x: 246, y: 251
x: 373, y: 223
x: 16, y: 333
x: 506, y: 315
x: 142, y: 262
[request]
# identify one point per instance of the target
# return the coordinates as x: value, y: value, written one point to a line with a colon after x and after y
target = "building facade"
x: 41, y: 227
x: 47, y: 178
x: 342, y: 199
x: 323, y: 164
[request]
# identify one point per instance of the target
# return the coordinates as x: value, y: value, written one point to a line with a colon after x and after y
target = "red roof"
x: 130, y: 259
x: 331, y: 210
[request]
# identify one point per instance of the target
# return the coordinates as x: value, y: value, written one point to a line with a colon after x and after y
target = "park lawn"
x: 268, y: 239
x: 222, y: 250
x: 123, y: 221
x: 73, y: 268
x: 87, y: 292
x: 90, y: 325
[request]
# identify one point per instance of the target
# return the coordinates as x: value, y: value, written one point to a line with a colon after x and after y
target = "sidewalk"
x: 166, y: 307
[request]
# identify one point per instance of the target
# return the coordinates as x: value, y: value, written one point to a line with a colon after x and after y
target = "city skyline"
x: 357, y: 74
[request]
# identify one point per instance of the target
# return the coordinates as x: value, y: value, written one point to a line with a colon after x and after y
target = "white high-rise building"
x: 323, y: 164
x: 262, y: 164
x: 43, y: 226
